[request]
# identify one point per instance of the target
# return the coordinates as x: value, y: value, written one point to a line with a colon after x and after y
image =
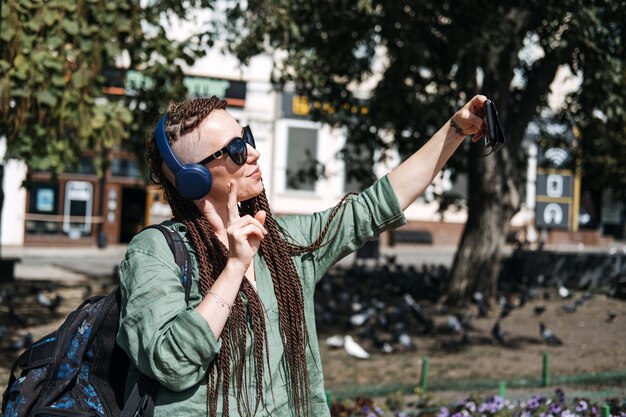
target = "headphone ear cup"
x: 194, y: 181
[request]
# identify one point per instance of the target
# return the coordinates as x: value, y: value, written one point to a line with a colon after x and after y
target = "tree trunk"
x: 493, y: 199
x: 1, y: 203
x: 495, y: 181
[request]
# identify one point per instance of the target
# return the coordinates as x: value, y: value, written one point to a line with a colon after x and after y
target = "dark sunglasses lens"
x: 248, y: 137
x: 238, y: 151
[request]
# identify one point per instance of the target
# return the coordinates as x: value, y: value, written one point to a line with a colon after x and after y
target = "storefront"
x: 79, y: 208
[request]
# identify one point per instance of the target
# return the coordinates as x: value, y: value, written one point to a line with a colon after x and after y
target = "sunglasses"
x: 494, y: 137
x: 237, y: 148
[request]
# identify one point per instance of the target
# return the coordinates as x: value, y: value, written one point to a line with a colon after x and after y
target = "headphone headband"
x: 164, y: 147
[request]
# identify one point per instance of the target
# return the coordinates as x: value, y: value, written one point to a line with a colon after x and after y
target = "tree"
x: 58, y: 57
x: 424, y: 60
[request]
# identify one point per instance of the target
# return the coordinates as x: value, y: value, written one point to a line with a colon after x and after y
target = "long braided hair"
x: 277, y: 249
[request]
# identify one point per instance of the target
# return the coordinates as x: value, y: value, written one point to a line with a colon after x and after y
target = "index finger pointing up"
x: 233, y: 210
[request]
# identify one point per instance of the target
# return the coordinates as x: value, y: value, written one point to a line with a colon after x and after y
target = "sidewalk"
x: 70, y: 263
x: 66, y: 264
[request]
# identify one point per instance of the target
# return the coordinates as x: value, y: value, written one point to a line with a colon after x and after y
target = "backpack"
x: 79, y: 370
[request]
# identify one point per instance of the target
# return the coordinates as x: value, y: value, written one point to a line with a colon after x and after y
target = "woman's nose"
x: 253, y: 153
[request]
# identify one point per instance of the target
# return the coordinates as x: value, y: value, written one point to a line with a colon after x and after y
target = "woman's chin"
x: 255, y: 190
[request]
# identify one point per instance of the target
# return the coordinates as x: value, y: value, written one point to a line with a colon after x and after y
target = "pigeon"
x: 356, y: 306
x: 390, y: 259
x: 405, y: 341
x: 15, y: 319
x: 379, y: 305
x: 479, y: 299
x: 506, y: 310
x: 521, y: 301
x: 354, y: 349
x: 344, y: 296
x: 610, y: 316
x: 539, y: 310
x: 426, y: 322
x: 21, y: 343
x: 453, y: 324
x: 532, y: 292
x: 116, y: 274
x: 382, y: 344
x: 548, y: 336
x: 52, y: 305
x: 506, y: 307
x: 563, y: 291
x: 335, y: 341
x: 569, y: 308
x: 359, y: 319
x: 386, y: 348
x: 497, y: 333
x: 326, y: 285
x: 87, y: 291
x: 454, y: 345
x: 43, y: 300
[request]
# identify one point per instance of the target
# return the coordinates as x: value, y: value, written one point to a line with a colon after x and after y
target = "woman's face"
x: 213, y: 134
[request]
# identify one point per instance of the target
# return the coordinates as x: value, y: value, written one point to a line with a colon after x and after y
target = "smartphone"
x: 493, y: 135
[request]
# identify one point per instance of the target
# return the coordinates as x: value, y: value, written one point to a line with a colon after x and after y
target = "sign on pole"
x: 554, y: 199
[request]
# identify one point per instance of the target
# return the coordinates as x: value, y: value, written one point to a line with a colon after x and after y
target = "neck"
x: 217, y: 216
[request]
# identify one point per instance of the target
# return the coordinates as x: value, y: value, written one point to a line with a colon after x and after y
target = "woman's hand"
x: 470, y: 117
x: 244, y: 233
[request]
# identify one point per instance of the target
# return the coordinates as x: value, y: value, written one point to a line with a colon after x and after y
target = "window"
x: 85, y: 165
x: 42, y: 208
x: 460, y: 186
x: 302, y: 166
x: 124, y: 167
x: 358, y: 168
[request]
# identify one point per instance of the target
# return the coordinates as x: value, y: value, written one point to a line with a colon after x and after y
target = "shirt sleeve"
x: 363, y: 217
x: 166, y: 339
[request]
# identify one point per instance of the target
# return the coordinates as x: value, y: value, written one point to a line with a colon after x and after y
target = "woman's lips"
x: 256, y: 173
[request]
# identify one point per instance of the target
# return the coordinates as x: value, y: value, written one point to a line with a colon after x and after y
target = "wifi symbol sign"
x: 557, y: 156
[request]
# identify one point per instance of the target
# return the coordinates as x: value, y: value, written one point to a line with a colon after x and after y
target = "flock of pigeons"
x: 9, y: 318
x: 382, y: 308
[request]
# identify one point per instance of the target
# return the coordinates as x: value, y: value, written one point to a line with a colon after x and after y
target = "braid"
x: 277, y: 248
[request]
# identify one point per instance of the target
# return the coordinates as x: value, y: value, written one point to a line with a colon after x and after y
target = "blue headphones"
x: 193, y: 181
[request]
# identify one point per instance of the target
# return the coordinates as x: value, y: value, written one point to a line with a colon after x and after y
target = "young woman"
x: 247, y: 344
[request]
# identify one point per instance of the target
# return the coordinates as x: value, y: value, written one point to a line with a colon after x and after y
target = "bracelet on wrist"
x: 457, y: 128
x: 221, y: 301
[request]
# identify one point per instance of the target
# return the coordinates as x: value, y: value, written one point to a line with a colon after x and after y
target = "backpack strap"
x: 141, y: 402
x: 22, y: 359
x: 181, y: 256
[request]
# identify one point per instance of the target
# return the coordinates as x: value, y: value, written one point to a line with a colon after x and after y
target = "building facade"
x: 81, y: 209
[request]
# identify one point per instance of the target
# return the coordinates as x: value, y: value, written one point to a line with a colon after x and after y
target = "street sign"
x: 552, y: 215
x: 554, y: 199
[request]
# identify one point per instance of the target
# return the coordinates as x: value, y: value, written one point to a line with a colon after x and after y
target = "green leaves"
x: 7, y: 33
x: 70, y: 27
x: 47, y: 98
x: 21, y: 66
x: 80, y: 78
x: 54, y: 71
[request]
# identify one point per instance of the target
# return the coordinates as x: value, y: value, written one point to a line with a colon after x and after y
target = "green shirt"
x: 170, y: 342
